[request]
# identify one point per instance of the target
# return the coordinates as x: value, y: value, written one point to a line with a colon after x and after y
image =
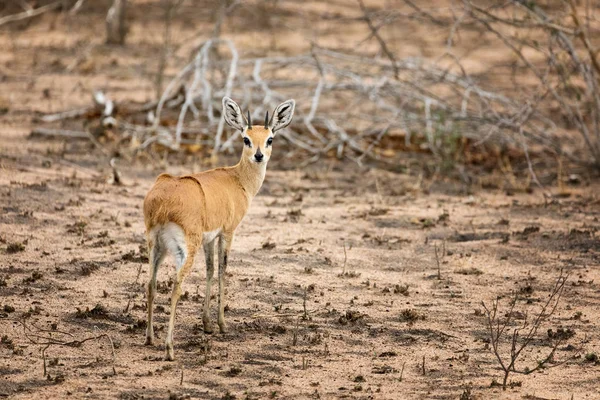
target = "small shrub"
x: 401, y: 289
x: 469, y: 271
x: 13, y: 248
x: 466, y: 394
x: 98, y: 311
x: 35, y: 275
x: 411, y: 316
x: 234, y: 371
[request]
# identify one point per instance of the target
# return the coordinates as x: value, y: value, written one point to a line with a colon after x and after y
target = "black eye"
x: 247, y: 142
x: 269, y: 141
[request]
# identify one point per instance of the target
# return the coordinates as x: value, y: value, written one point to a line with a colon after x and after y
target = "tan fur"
x: 215, y: 200
x: 209, y: 200
x: 186, y: 212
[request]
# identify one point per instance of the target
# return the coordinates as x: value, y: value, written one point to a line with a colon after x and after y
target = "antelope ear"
x: 282, y: 116
x: 233, y: 114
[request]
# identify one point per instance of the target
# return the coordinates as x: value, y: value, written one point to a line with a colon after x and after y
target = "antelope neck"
x: 251, y: 175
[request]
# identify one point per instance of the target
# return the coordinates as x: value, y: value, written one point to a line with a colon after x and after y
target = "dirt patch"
x: 375, y: 312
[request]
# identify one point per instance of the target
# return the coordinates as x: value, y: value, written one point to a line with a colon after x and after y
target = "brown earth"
x: 333, y: 287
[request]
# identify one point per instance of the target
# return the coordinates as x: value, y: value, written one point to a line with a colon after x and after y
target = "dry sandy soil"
x: 333, y: 285
x: 76, y: 278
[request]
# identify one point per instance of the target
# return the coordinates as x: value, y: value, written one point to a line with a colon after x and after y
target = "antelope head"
x: 258, y: 139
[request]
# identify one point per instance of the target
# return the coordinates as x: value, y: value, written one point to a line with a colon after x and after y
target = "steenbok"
x: 183, y: 213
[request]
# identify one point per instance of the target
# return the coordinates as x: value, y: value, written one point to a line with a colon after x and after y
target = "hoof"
x: 169, y: 356
x: 208, y: 329
x: 149, y: 341
x: 223, y: 328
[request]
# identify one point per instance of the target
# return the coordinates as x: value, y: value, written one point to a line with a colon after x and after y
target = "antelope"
x: 183, y: 213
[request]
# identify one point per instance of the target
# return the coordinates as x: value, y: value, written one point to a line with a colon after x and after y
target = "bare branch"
x: 33, y: 12
x: 377, y: 36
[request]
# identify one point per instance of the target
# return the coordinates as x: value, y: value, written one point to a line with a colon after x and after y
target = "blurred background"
x: 492, y: 94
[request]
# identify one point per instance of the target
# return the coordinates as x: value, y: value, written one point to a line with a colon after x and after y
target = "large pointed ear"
x: 282, y: 116
x: 233, y: 114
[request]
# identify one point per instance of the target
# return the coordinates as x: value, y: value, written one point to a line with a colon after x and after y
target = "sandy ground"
x: 76, y: 277
x: 334, y: 289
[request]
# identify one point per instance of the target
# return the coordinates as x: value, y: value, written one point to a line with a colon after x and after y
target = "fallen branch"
x: 34, y: 12
x: 58, y: 133
x: 66, y: 114
x: 76, y: 7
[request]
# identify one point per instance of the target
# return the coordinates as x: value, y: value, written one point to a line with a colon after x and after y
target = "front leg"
x: 209, y: 254
x: 225, y: 240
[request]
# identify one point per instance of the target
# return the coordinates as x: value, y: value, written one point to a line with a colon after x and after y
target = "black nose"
x: 258, y: 157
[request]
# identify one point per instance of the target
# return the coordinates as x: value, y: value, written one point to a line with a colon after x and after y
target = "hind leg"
x: 209, y: 253
x: 184, y: 266
x: 157, y: 254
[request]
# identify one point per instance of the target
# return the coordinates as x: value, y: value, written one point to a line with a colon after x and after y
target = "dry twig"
x: 30, y: 13
x: 498, y: 329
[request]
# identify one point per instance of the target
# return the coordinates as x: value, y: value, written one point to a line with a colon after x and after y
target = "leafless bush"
x: 509, y: 338
x: 350, y: 102
x: 559, y: 34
